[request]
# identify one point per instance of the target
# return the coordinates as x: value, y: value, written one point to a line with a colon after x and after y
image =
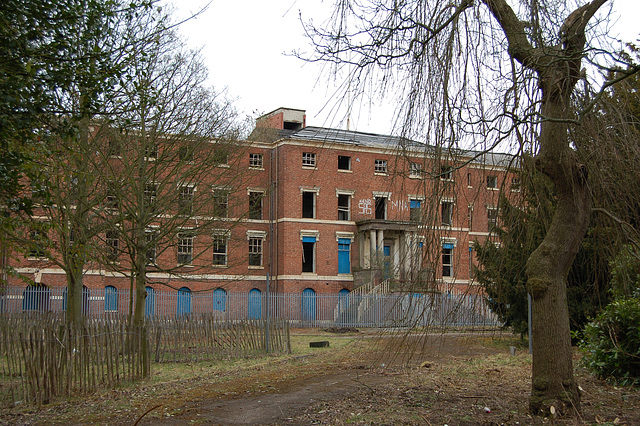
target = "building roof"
x: 373, y: 140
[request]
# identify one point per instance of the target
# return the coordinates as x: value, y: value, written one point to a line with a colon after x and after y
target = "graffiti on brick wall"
x: 401, y: 206
x: 365, y: 206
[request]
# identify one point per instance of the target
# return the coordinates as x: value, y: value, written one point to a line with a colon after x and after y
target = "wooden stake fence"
x: 42, y: 359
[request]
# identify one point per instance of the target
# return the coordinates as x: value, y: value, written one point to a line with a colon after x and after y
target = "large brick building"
x: 331, y: 210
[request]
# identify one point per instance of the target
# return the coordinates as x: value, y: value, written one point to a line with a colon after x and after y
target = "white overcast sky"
x: 245, y: 45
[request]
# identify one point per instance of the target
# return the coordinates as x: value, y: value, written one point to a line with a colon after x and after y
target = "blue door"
x: 344, y: 257
x: 150, y: 301
x: 184, y: 301
x: 219, y: 299
x: 386, y: 271
x: 308, y: 305
x: 110, y: 299
x: 255, y: 304
x: 36, y: 298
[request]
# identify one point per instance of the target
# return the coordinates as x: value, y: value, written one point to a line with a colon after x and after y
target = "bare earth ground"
x: 454, y: 379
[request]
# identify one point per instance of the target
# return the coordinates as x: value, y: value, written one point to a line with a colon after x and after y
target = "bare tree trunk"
x: 553, y: 382
x: 74, y: 297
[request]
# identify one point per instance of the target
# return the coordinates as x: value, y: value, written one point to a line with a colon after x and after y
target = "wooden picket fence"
x: 42, y: 359
x: 206, y: 337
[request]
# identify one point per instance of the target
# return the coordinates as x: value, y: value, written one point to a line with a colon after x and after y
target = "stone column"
x: 372, y: 247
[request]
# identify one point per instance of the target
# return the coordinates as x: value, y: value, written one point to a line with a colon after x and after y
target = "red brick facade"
x: 333, y: 210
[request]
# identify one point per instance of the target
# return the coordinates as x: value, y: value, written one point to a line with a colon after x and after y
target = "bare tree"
x: 486, y: 74
x: 64, y: 182
x: 170, y: 169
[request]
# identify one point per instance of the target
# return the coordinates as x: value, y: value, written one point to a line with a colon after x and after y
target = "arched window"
x: 184, y: 301
x: 219, y: 299
x: 150, y: 301
x: 36, y: 298
x: 308, y: 304
x: 255, y: 304
x: 110, y: 299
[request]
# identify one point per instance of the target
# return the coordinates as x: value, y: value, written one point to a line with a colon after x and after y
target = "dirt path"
x: 284, y: 401
x: 273, y: 408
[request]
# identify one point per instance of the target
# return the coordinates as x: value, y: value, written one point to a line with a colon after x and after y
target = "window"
x: 150, y: 194
x: 469, y: 179
x: 36, y: 249
x: 110, y: 299
x: 344, y: 256
x: 112, y: 241
x: 470, y: 263
x: 151, y: 150
x: 492, y: 218
x: 308, y: 254
x: 255, y: 161
x: 185, y: 153
x: 220, y: 155
x: 185, y: 248
x: 344, y: 162
x: 219, y: 299
x: 415, y: 211
x: 114, y: 148
x: 183, y: 302
x: 111, y: 200
x: 255, y: 205
x: 470, y: 210
x: 150, y: 240
x: 308, y: 159
x: 308, y: 204
x: 344, y: 207
x: 415, y: 170
x: 447, y: 213
x: 492, y: 182
x: 185, y: 199
x: 220, y: 249
x: 515, y: 184
x: 447, y: 260
x: 73, y: 188
x: 446, y: 173
x: 220, y: 202
x: 381, y: 207
x: 255, y: 251
x: 380, y: 166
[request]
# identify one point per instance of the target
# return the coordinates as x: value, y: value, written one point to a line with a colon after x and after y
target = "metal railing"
x: 355, y: 309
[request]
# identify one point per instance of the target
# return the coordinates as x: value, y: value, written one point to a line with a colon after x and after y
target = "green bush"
x: 611, y: 343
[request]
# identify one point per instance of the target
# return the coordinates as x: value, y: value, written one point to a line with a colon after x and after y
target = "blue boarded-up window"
x: 184, y: 301
x: 150, y: 301
x: 110, y: 299
x: 219, y: 299
x: 344, y: 256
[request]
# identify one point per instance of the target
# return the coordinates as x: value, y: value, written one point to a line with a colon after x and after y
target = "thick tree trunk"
x: 74, y: 297
x: 553, y: 382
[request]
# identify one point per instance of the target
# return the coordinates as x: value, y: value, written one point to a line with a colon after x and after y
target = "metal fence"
x: 305, y: 309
